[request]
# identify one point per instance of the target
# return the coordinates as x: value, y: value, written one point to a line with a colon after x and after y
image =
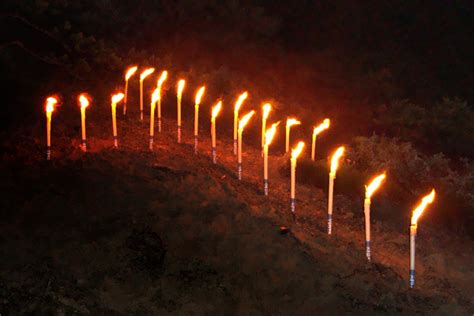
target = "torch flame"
x: 335, y: 159
x: 295, y: 152
x: 50, y: 103
x: 270, y: 133
x: 199, y: 94
x: 181, y: 86
x: 130, y: 72
x: 83, y: 100
x: 146, y: 73
x: 427, y: 199
x: 155, y: 96
x: 321, y: 127
x: 267, y: 107
x: 216, y: 109
x: 291, y: 121
x: 116, y: 98
x: 244, y: 120
x: 374, y: 185
x: 240, y: 100
x: 162, y: 79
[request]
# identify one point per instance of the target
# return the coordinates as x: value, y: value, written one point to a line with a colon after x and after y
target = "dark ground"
x: 133, y: 232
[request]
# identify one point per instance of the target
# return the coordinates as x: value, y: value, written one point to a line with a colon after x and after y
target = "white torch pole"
x: 332, y: 176
x: 367, y: 227
x: 412, y: 255
x: 265, y: 168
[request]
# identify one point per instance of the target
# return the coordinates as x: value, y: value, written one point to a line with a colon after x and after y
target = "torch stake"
x: 265, y: 169
x: 239, y: 155
x: 159, y: 115
x: 125, y: 98
x: 179, y: 134
x: 214, y: 155
x: 367, y: 227
x: 330, y: 201
x: 293, y: 186
x: 412, y: 255
x: 313, y: 148
x: 141, y: 100
x: 196, y: 141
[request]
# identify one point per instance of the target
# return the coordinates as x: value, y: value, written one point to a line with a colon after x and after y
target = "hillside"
x: 128, y: 232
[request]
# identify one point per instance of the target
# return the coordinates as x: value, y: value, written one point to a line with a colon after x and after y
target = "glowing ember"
x: 146, y: 73
x: 130, y: 72
x: 162, y: 79
x: 321, y: 127
x: 335, y: 159
x: 155, y: 95
x: 374, y: 185
x: 428, y: 199
x: 270, y: 133
x: 199, y: 94
x: 295, y: 152
x: 245, y: 119
x: 267, y: 107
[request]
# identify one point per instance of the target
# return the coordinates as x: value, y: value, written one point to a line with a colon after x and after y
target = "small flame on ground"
x: 181, y: 84
x: 130, y: 72
x: 51, y: 102
x: 162, y: 79
x: 155, y: 96
x: 427, y: 199
x: 199, y: 94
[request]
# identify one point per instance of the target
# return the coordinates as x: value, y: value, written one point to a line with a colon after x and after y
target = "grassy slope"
x: 133, y: 232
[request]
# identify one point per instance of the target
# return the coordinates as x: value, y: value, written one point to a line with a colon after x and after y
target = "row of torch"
x: 267, y: 136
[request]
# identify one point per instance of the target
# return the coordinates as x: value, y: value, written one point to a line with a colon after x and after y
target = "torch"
x: 215, y: 111
x: 295, y: 152
x: 332, y: 175
x: 154, y: 99
x: 116, y: 98
x: 196, y: 116
x: 179, y: 95
x: 51, y: 102
x: 289, y: 123
x: 428, y: 199
x: 237, y: 106
x: 269, y: 134
x: 162, y: 79
x: 84, y: 103
x: 369, y: 190
x: 321, y: 127
x: 245, y: 119
x: 130, y: 72
x: 143, y: 75
x: 267, y: 107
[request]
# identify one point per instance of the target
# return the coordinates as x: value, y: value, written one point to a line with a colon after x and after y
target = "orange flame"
x: 216, y: 109
x: 130, y: 72
x: 116, y: 98
x: 321, y: 127
x: 335, y: 159
x: 267, y: 107
x: 270, y: 133
x: 244, y: 120
x: 295, y: 152
x: 291, y: 121
x: 181, y: 87
x: 162, y: 79
x: 427, y: 199
x: 155, y: 96
x: 83, y: 100
x: 374, y: 185
x: 51, y: 102
x: 199, y: 94
x: 240, y: 100
x: 146, y: 73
